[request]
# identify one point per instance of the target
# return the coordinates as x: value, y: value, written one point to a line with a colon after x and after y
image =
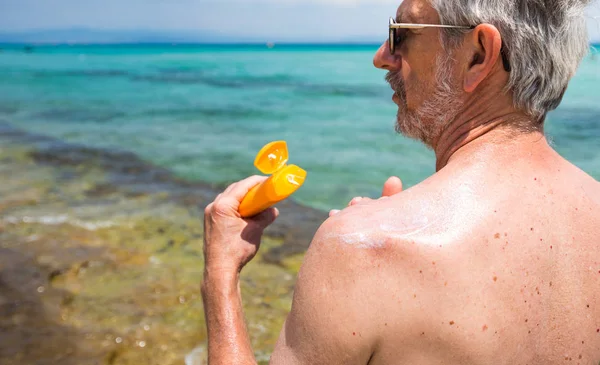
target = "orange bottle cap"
x: 272, y: 157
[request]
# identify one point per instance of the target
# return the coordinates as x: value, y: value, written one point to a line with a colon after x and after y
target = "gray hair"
x: 544, y: 39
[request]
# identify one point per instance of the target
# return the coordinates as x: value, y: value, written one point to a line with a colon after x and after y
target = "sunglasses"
x: 396, y: 36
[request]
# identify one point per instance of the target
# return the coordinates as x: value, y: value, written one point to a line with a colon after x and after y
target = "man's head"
x: 437, y: 74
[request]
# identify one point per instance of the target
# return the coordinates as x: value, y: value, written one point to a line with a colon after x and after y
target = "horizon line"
x: 191, y: 43
x: 206, y: 43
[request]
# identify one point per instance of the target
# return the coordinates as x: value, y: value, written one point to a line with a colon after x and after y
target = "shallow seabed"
x: 94, y: 273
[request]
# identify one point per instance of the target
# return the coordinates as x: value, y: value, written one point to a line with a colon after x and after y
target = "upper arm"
x: 331, y: 320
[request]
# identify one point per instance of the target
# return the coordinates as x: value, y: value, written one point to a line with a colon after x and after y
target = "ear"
x: 485, y: 43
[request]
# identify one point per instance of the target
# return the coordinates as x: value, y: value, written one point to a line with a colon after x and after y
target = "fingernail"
x: 333, y: 212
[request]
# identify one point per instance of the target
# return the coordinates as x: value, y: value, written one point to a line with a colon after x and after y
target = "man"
x: 495, y: 259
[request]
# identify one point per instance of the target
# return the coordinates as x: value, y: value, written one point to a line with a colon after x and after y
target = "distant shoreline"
x: 176, y: 44
x: 9, y: 44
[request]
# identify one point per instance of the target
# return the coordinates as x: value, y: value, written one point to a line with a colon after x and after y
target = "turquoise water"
x: 204, y: 111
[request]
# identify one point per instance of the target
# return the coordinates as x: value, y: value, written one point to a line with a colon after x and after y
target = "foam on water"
x: 52, y: 220
x: 196, y: 356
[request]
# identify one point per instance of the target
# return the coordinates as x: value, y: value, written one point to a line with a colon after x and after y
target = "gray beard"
x: 427, y: 123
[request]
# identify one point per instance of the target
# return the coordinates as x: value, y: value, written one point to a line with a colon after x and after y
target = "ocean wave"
x: 78, y: 115
x: 365, y: 91
x: 263, y: 82
x: 227, y: 112
x: 199, y: 112
x: 81, y: 73
x: 8, y: 109
x: 200, y: 76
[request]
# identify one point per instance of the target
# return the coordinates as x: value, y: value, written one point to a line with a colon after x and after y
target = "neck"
x: 478, y: 121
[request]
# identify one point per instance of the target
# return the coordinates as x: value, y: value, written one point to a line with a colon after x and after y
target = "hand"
x: 230, y: 241
x: 392, y: 186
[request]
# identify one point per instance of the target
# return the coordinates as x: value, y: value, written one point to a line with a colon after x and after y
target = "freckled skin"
x: 513, y: 230
x: 481, y: 302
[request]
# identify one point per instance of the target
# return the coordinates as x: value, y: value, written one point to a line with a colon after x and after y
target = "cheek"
x: 417, y: 84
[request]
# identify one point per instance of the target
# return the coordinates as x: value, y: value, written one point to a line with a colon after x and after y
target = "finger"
x: 355, y: 200
x: 392, y: 186
x: 333, y: 212
x: 266, y: 217
x: 239, y: 190
x: 230, y: 200
x: 228, y: 189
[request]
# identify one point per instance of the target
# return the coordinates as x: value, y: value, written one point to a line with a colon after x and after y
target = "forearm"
x: 228, y: 341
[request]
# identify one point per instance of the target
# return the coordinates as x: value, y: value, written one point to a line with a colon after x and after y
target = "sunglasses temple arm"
x: 421, y: 26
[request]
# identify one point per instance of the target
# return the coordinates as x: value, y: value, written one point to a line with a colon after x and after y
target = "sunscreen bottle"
x: 283, y: 182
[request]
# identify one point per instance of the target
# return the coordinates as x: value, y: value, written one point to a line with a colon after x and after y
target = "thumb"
x: 392, y: 186
x: 265, y: 218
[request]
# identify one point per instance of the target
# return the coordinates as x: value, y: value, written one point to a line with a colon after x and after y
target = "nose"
x: 386, y: 61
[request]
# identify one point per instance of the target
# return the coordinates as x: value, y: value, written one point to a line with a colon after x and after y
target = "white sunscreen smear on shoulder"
x: 377, y: 237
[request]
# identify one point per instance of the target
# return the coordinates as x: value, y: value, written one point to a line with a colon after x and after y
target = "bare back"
x: 511, y: 272
x: 490, y: 261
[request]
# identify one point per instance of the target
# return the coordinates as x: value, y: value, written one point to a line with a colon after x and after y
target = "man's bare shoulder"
x: 346, y: 282
x: 421, y: 215
x: 384, y: 240
x: 372, y: 273
x: 417, y: 217
x: 336, y: 315
x: 589, y: 185
x: 370, y: 227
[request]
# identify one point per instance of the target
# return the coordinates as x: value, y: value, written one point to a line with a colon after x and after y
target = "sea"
x: 204, y: 111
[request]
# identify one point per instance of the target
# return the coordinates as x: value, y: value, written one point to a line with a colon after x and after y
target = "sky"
x: 267, y: 20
